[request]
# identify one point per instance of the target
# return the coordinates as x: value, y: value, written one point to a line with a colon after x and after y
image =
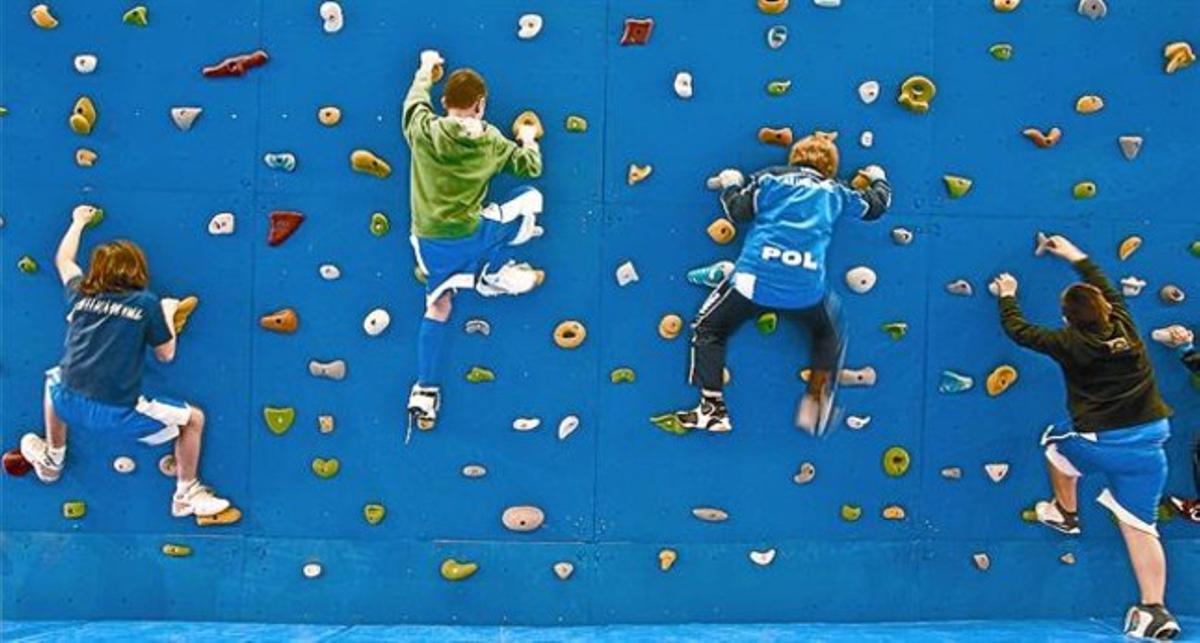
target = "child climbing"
x: 791, y: 211
x: 96, y: 388
x: 458, y: 238
x: 1183, y: 340
x: 1118, y: 426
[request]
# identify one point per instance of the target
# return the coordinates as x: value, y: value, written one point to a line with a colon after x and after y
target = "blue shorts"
x: 151, y: 421
x: 1132, y: 459
x: 453, y: 264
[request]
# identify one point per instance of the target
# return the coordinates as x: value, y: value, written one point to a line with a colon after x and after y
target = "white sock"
x: 183, y: 485
x: 57, y: 454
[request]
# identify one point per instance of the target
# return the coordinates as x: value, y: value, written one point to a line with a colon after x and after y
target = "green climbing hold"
x: 576, y: 124
x: 623, y: 375
x: 767, y: 323
x: 380, y: 224
x: 374, y: 513
x: 1084, y: 190
x: 279, y: 420
x: 454, y: 570
x: 1195, y: 249
x: 479, y: 375
x: 895, y: 330
x: 896, y: 461
x: 851, y: 513
x: 1001, y: 51
x: 957, y: 186
x: 1196, y: 381
x: 74, y: 509
x: 326, y: 468
x: 138, y: 16
x: 669, y: 423
x: 3, y: 111
x: 778, y: 87
x: 97, y: 217
x: 421, y: 277
x: 27, y: 265
x: 1165, y: 512
x: 1029, y: 514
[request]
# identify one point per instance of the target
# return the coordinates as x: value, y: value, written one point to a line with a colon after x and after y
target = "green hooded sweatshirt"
x: 452, y: 164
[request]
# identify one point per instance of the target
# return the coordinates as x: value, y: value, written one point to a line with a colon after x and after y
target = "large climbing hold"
x: 1089, y: 104
x: 332, y: 19
x: 957, y: 186
x: 637, y: 31
x: 896, y: 461
x: 234, y: 66
x: 569, y: 334
x: 332, y: 370
x: 528, y: 118
x: 281, y: 321
x: 773, y: 7
x: 183, y: 312
x: 228, y: 516
x: 41, y: 16
x: 279, y: 419
x: 1179, y: 55
x: 1131, y: 146
x: 952, y: 382
x: 283, y: 224
x: 83, y: 116
x: 1000, y: 379
x: 1094, y: 9
x: 138, y: 16
x: 1041, y: 139
x: 522, y: 518
x: 15, y: 464
x: 916, y: 93
x: 453, y: 570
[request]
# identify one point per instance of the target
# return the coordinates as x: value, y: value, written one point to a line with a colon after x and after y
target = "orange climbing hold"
x: 1128, y: 247
x: 528, y: 117
x: 237, y: 65
x: 1043, y: 140
x: 1089, y: 104
x: 570, y: 334
x: 1179, y: 55
x: 722, y: 231
x: 229, y: 516
x: 781, y: 136
x: 772, y: 7
x: 637, y: 31
x: 670, y: 326
x: 638, y: 173
x: 367, y: 162
x: 183, y: 312
x: 283, y: 224
x: 1000, y: 379
x: 281, y: 321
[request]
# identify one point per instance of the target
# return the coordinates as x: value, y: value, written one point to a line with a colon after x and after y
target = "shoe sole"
x: 1062, y: 530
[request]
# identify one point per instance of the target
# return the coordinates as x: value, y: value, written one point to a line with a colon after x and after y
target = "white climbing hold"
x: 683, y: 85
x: 563, y: 570
x: 626, y: 274
x: 1067, y: 559
x: 805, y: 473
x: 221, y: 223
x: 1172, y: 336
x: 1132, y: 286
x: 335, y: 370
x: 329, y: 272
x: 376, y: 322
x: 185, y: 116
x: 995, y: 292
x: 867, y: 138
x: 567, y: 426
x: 478, y: 327
x: 124, y: 464
x: 982, y: 561
x: 522, y: 518
x: 332, y: 18
x: 960, y: 287
x: 474, y: 471
x: 857, y: 376
x: 868, y: 92
x: 952, y: 473
x: 860, y: 279
x: 1130, y: 146
x: 828, y: 4
x: 858, y: 422
x: 526, y: 424
x: 762, y: 558
x: 710, y: 514
x: 1094, y: 9
x: 86, y: 63
x: 1041, y: 243
x: 997, y: 471
x: 311, y: 570
x: 902, y: 236
x: 529, y: 26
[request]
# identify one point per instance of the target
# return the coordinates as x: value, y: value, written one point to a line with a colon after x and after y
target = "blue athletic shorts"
x: 1132, y: 459
x: 151, y: 421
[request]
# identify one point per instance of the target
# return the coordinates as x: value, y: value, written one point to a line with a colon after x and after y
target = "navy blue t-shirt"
x: 107, y: 336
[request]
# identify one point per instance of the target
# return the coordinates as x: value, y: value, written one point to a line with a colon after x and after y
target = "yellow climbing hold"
x: 721, y: 231
x: 374, y: 513
x: 74, y: 509
x: 528, y: 117
x: 666, y: 559
x: 1089, y: 104
x: 1084, y: 190
x: 638, y: 173
x: 479, y: 375
x: 326, y: 467
x: 1000, y: 379
x: 280, y: 419
x: 367, y: 162
x: 138, y: 16
x: 83, y: 116
x: 1179, y: 55
x: 957, y: 186
x: 1128, y: 247
x: 623, y: 375
x: 577, y: 124
x: 176, y: 551
x: 916, y: 93
x: 851, y: 513
x: 455, y: 571
x: 42, y: 17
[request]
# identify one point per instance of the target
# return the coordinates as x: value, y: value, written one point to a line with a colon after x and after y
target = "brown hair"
x: 116, y: 267
x: 1085, y: 307
x: 818, y: 151
x: 464, y: 88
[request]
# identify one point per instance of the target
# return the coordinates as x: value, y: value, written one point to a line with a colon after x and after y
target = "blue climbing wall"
x: 618, y: 490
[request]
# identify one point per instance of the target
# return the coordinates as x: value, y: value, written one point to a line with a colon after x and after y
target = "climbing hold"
x: 777, y: 36
x: 236, y: 65
x: 569, y: 334
x: 1194, y: 248
x: 638, y: 173
x: 453, y: 570
x: 221, y: 223
x: 670, y: 326
x: 1089, y: 104
x: 1043, y: 140
x: 1000, y: 379
x: 138, y: 16
x: 74, y: 509
x: 762, y: 558
x: 325, y: 423
x: 960, y: 287
x: 857, y: 422
x: 982, y: 561
x: 478, y: 327
x: 851, y: 513
x: 329, y: 116
x: 42, y: 17
x: 637, y: 31
x: 332, y: 19
x: 710, y: 276
x: 1041, y: 246
x: 1179, y: 55
x: 626, y: 274
x: 367, y: 162
x: 183, y: 312
x: 721, y: 231
x: 772, y: 6
x: 1084, y: 190
x: 176, y: 551
x: 27, y: 265
x: 683, y: 85
x: 771, y: 136
x: 856, y: 377
x: 86, y: 63
x: 805, y: 473
x: 778, y: 87
x: 894, y: 512
x: 280, y: 321
x: 896, y: 461
x: 622, y: 375
x: 767, y: 322
x: 480, y: 375
x: 666, y: 558
x: 334, y: 370
x: 124, y: 464
x: 1130, y: 146
x: 710, y: 514
x: 1094, y: 9
x: 528, y: 118
x: 1001, y: 51
x: 1171, y: 294
x: 167, y: 465
x: 279, y: 419
x: 1029, y: 515
x: 380, y: 224
x: 952, y: 473
x: 1132, y: 286
x: 902, y: 236
x: 860, y: 279
x: 185, y: 116
x: 376, y: 322
x: 1129, y: 246
x: 563, y: 570
x: 867, y: 138
x: 474, y: 471
x: 522, y: 518
x: 997, y: 471
x: 285, y: 161
x: 895, y: 330
x: 326, y: 467
x: 228, y: 516
x: 526, y: 424
x: 957, y: 186
x: 1067, y: 558
x: 952, y: 382
x: 567, y: 426
x: 311, y: 570
x: 529, y: 26
x: 576, y: 124
x: 283, y: 224
x: 85, y: 157
x: 1005, y: 6
x: 916, y: 93
x: 868, y: 92
x: 83, y: 116
x: 828, y: 4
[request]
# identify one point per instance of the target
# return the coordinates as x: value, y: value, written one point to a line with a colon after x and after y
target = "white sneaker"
x: 197, y: 500
x: 510, y: 279
x: 423, y: 405
x: 37, y: 452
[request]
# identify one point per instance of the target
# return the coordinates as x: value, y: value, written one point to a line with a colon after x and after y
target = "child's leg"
x: 1064, y: 487
x: 187, y: 447
x: 56, y: 429
x: 431, y: 336
x: 1148, y: 561
x: 722, y: 313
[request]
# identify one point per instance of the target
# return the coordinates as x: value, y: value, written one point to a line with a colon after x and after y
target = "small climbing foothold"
x: 952, y: 382
x: 860, y: 279
x: 857, y: 422
x: 622, y: 375
x: 329, y: 116
x: 1089, y: 104
x: 176, y: 551
x: 710, y: 514
x: 569, y: 334
x: 1041, y: 139
x: 773, y: 7
x: 279, y: 419
x: 851, y: 513
x: 1130, y: 146
x: 637, y: 31
x: 326, y: 467
x: 184, y: 117
x: 124, y: 464
x: 1129, y: 246
x: 526, y: 424
x: 916, y: 93
x: 721, y: 231
x: 1001, y: 51
x: 1084, y: 190
x: 1005, y: 6
x: 577, y: 124
x: 894, y: 512
x: 478, y: 327
x: 767, y: 322
x: 867, y: 138
x: 638, y: 173
x: 1132, y: 286
x: 283, y: 224
x: 683, y: 85
x: 828, y: 4
x: 522, y: 518
x: 778, y: 87
x: 1179, y: 55
x: 896, y: 461
x: 86, y: 63
x: 221, y: 223
x: 1171, y: 294
x: 236, y: 65
x: 1094, y: 9
x: 670, y: 326
x: 563, y: 570
x: 805, y: 473
x: 960, y: 287
x: 1194, y: 248
x: 27, y: 265
x: 334, y: 370
x: 529, y: 26
x: 567, y: 426
x: 528, y: 118
x: 85, y: 157
x: 983, y: 562
x: 1000, y: 379
x: 367, y: 162
x: 332, y: 19
x: 868, y: 92
x: 997, y: 471
x: 1067, y: 558
x: 626, y: 274
x: 902, y: 236
x: 74, y: 509
x: 952, y: 473
x: 772, y: 136
x: 284, y: 161
x: 474, y: 471
x: 167, y: 465
x: 281, y: 321
x: 380, y: 224
x: 376, y: 322
x: 777, y: 36
x: 83, y: 116
x: 312, y: 570
x: 762, y: 558
x: 957, y: 186
x: 666, y: 559
x: 895, y: 330
x: 480, y: 375
x: 42, y: 17
x: 710, y: 276
x: 138, y: 16
x: 325, y: 424
x: 453, y: 570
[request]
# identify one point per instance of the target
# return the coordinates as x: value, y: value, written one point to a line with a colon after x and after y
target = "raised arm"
x: 1089, y: 272
x: 523, y: 159
x: 418, y: 103
x: 737, y: 194
x: 1020, y: 330
x: 876, y: 197
x: 68, y: 248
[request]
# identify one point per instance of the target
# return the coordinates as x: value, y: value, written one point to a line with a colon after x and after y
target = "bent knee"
x: 440, y: 309
x: 196, y: 417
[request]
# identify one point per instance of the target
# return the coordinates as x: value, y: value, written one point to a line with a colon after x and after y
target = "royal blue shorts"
x: 151, y: 421
x: 1132, y: 459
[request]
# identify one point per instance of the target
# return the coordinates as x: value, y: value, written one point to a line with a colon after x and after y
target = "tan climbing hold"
x: 1129, y: 246
x: 183, y: 312
x: 329, y: 116
x: 570, y: 334
x: 1089, y: 104
x: 638, y: 173
x: 1005, y: 6
x: 721, y: 231
x: 1000, y: 379
x: 894, y: 512
x: 280, y: 321
x: 42, y: 17
x: 83, y: 116
x: 367, y: 162
x: 229, y: 516
x: 1179, y: 55
x: 772, y: 7
x: 85, y: 157
x: 1172, y: 294
x: 528, y: 117
x: 982, y: 561
x: 666, y: 559
x: 710, y: 514
x: 771, y: 136
x: 849, y: 376
x: 522, y: 518
x: 1050, y: 138
x: 670, y: 326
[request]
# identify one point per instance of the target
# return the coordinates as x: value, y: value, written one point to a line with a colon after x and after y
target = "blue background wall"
x: 617, y: 490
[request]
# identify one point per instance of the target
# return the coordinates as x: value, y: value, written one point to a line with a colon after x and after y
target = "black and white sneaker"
x: 423, y: 405
x: 1152, y: 622
x: 710, y: 415
x: 1052, y: 515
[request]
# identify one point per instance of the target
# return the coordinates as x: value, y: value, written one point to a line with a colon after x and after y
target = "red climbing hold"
x: 15, y: 463
x: 637, y: 31
x: 237, y: 65
x: 283, y: 224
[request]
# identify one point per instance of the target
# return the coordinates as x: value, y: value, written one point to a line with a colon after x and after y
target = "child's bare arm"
x: 68, y: 248
x: 165, y: 352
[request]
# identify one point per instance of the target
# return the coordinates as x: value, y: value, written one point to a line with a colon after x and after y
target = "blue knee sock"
x: 430, y: 338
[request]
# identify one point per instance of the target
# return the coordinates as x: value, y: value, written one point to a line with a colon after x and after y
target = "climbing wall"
x: 814, y: 529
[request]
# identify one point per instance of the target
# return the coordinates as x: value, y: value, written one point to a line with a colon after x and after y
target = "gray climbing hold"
x: 710, y: 514
x: 953, y: 382
x: 805, y: 473
x: 376, y: 322
x: 777, y: 36
x: 902, y: 236
x: 478, y: 327
x: 1130, y: 146
x: 335, y: 370
x: 860, y: 279
x: 184, y: 117
x: 1094, y: 9
x: 329, y: 272
x: 567, y: 426
x: 522, y: 518
x: 960, y: 287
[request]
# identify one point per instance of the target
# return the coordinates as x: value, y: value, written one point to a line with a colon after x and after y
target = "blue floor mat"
x: 990, y: 631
